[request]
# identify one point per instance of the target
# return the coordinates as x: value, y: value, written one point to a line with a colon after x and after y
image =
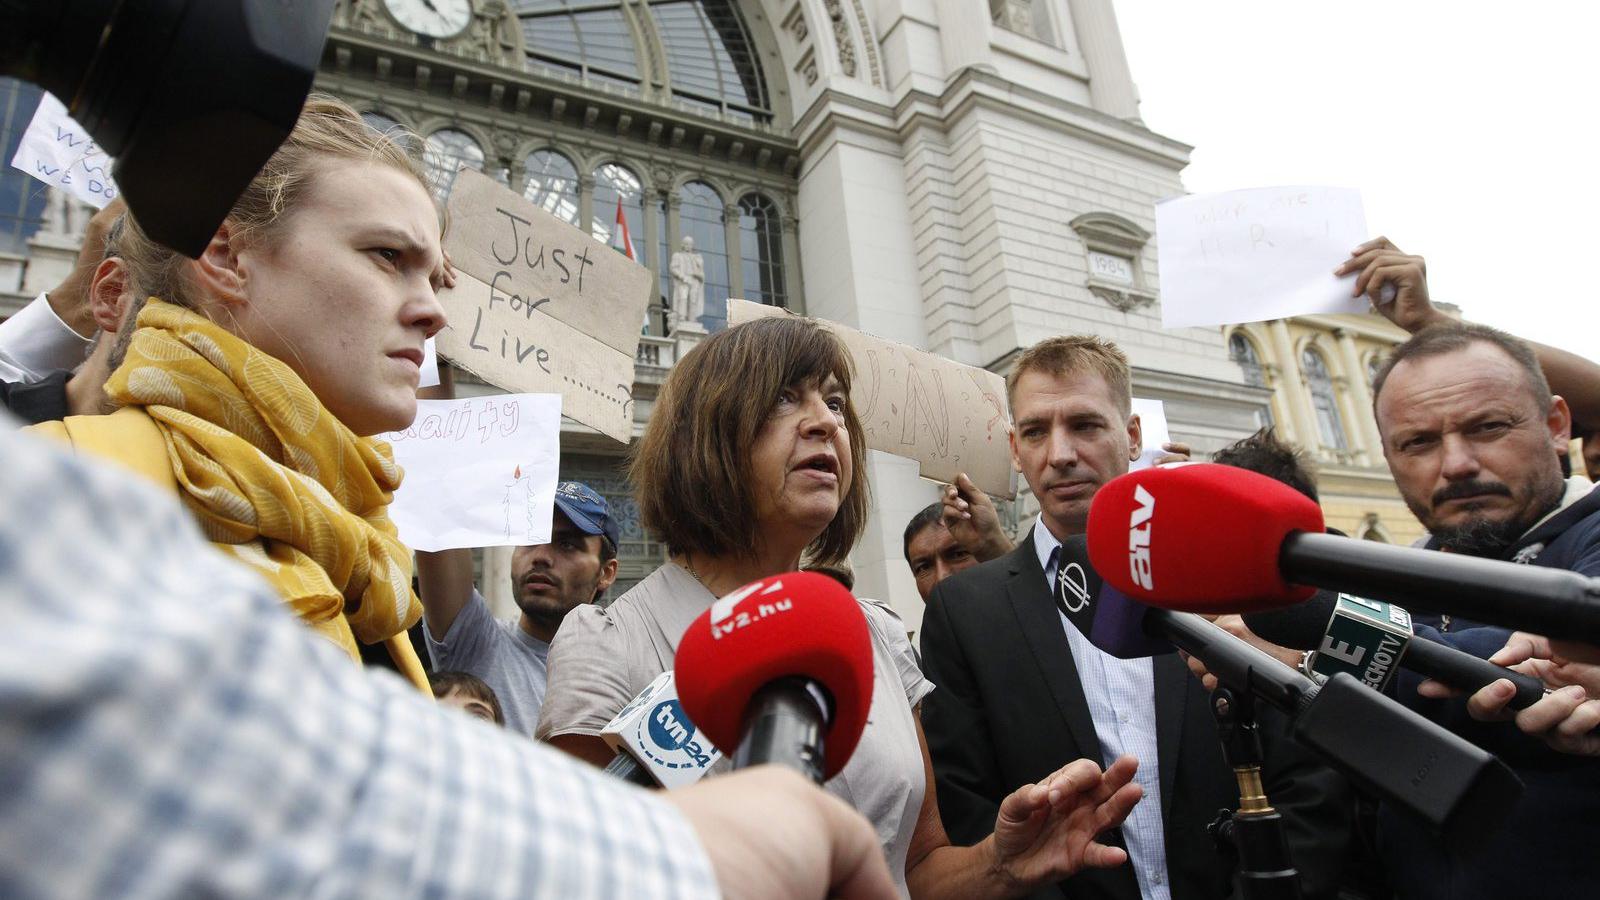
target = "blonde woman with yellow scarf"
x: 256, y: 375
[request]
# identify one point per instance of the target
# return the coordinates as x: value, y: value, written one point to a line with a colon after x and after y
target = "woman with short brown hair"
x: 752, y: 458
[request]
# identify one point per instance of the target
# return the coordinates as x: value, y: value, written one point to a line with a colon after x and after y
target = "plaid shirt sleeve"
x: 168, y: 729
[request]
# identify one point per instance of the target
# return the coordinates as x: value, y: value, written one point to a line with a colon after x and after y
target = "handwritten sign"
x: 1152, y: 431
x: 59, y: 152
x: 947, y: 416
x: 479, y: 472
x: 430, y: 364
x: 1259, y: 254
x: 540, y: 306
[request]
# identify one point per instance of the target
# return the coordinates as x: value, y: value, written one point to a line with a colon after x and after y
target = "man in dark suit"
x: 1021, y: 690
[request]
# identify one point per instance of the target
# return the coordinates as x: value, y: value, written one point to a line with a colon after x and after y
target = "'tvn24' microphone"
x: 655, y: 740
x: 780, y: 671
x: 1372, y: 640
x: 1217, y: 539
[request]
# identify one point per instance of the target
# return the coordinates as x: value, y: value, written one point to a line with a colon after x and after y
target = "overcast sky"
x: 1470, y: 129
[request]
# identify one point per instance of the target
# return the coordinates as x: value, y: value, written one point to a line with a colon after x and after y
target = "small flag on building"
x: 622, y: 229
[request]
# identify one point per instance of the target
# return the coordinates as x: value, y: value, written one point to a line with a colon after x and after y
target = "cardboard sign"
x: 1255, y: 255
x: 948, y: 417
x: 59, y: 152
x: 540, y: 306
x: 479, y: 472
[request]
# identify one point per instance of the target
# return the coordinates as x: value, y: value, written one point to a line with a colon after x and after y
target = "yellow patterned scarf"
x: 274, y: 479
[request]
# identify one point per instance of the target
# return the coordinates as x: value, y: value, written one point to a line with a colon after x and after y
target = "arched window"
x: 1374, y: 364
x: 22, y: 200
x: 710, y: 57
x: 552, y: 184
x: 610, y: 182
x: 379, y: 121
x: 582, y: 37
x: 391, y: 126
x: 1243, y: 352
x: 700, y: 217
x: 711, y: 62
x: 446, y: 151
x: 1323, y: 401
x: 761, y: 250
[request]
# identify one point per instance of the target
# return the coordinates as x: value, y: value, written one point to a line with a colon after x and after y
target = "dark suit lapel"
x: 1171, y: 683
x: 1035, y: 609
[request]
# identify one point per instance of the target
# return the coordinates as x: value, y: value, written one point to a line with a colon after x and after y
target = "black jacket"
x: 1009, y: 709
x: 1545, y: 846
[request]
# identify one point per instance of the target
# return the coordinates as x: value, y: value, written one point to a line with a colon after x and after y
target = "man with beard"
x: 547, y: 580
x: 1473, y: 436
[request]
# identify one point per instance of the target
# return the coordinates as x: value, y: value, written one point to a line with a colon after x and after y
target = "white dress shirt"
x: 35, y: 342
x: 1121, y: 697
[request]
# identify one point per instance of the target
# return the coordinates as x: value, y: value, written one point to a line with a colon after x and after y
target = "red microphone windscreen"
x: 795, y: 624
x: 1199, y: 537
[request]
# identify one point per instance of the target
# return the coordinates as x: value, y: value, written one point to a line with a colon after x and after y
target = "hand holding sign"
x: 539, y: 305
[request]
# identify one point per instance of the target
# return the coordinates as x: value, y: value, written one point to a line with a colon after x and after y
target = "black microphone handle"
x: 1386, y: 749
x: 1552, y: 602
x: 1460, y: 669
x: 625, y: 767
x: 1304, y: 626
x: 1235, y: 663
x: 783, y: 725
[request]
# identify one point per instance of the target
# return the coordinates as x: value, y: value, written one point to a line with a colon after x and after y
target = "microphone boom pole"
x: 1553, y: 602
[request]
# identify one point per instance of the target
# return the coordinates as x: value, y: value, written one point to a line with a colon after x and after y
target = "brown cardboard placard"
x: 948, y: 416
x: 541, y: 307
x: 538, y: 354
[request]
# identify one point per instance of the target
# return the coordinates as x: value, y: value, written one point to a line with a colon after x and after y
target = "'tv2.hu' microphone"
x: 655, y: 740
x: 1217, y: 539
x: 780, y: 671
x: 1371, y: 640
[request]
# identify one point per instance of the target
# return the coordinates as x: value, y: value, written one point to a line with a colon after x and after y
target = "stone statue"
x: 688, y: 270
x: 64, y: 214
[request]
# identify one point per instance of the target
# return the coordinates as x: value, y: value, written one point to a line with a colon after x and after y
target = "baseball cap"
x: 587, y: 510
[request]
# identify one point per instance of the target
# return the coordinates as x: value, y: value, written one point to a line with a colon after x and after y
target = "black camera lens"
x: 189, y: 96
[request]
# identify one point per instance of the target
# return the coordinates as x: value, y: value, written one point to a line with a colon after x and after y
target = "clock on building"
x: 432, y: 18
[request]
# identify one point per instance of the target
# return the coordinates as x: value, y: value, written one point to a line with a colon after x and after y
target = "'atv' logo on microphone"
x: 1139, y: 537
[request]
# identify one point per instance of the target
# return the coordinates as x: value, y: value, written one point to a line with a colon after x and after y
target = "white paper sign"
x: 1152, y: 432
x: 479, y: 472
x: 58, y: 152
x: 1255, y: 255
x: 430, y: 364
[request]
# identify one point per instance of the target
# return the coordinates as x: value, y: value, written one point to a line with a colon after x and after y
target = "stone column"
x: 1360, y: 397
x: 497, y: 582
x: 1111, y: 88
x: 586, y: 203
x: 652, y: 252
x: 1294, y: 388
x: 791, y: 265
x: 730, y: 237
x: 1355, y: 436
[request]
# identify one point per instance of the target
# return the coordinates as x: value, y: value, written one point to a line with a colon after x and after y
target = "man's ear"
x: 1559, y: 421
x: 218, y: 273
x: 1135, y: 437
x: 608, y: 574
x: 106, y: 289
